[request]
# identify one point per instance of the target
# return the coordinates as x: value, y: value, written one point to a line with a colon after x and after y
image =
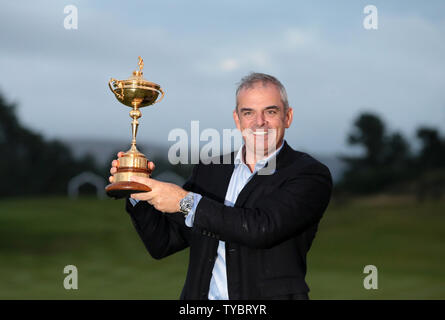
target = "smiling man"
x: 262, y: 114
x: 249, y: 224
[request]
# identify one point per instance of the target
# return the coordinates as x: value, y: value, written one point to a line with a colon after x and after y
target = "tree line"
x: 389, y: 163
x: 31, y: 165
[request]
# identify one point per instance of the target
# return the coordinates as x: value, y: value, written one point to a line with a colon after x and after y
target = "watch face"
x: 186, y: 203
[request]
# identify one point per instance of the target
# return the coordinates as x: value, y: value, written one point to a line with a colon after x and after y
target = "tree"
x: 432, y: 151
x: 31, y: 165
x: 430, y: 164
x: 369, y: 132
x: 387, y: 158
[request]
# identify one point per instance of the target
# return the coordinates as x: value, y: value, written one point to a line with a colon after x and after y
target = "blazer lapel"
x: 224, y: 179
x: 283, y: 158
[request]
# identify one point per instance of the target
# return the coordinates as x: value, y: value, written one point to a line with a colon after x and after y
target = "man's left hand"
x: 163, y: 196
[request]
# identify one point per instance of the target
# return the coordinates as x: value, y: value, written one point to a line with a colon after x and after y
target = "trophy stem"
x: 135, y: 114
x: 134, y: 129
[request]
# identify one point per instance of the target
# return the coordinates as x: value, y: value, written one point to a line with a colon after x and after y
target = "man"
x: 248, y: 229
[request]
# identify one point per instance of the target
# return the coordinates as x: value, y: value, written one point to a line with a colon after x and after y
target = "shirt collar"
x: 261, y: 163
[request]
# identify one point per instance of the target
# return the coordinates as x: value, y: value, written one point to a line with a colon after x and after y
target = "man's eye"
x: 272, y: 112
x: 247, y: 113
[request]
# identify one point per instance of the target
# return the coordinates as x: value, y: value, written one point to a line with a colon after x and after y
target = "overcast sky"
x: 333, y: 68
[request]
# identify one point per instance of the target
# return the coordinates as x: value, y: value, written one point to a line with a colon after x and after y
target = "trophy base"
x: 124, y: 189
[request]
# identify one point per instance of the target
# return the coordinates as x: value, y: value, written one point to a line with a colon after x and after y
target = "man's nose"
x: 260, y: 119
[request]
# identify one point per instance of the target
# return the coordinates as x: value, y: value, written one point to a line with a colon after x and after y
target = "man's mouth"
x: 259, y: 133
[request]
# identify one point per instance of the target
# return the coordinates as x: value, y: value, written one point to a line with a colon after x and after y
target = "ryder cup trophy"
x: 135, y: 92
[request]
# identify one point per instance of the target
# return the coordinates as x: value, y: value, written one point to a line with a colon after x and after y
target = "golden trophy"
x: 135, y: 92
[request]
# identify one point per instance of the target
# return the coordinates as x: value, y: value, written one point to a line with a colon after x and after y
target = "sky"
x: 332, y: 67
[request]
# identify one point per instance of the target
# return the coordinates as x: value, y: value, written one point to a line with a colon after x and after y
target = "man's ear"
x: 289, y: 117
x: 236, y: 118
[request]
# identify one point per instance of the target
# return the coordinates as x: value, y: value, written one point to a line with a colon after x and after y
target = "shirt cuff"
x: 133, y: 201
x: 191, y: 215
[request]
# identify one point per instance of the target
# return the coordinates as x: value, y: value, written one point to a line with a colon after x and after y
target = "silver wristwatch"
x: 186, y: 204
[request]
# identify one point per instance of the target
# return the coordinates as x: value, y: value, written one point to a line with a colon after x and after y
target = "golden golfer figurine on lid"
x: 135, y: 92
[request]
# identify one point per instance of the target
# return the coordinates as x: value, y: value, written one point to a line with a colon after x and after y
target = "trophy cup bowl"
x: 134, y: 92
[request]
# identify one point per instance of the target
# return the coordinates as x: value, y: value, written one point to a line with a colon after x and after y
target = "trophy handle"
x: 162, y: 97
x: 120, y: 96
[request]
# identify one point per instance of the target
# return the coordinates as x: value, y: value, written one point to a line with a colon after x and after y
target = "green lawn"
x: 40, y: 236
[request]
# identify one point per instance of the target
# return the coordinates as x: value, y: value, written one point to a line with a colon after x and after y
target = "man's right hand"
x: 115, y: 165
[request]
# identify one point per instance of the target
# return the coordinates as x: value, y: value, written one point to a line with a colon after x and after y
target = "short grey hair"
x: 253, y: 78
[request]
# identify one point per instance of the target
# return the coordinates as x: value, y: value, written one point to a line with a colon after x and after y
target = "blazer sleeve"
x: 284, y: 213
x: 162, y: 234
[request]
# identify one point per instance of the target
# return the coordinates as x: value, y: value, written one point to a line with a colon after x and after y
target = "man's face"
x: 261, y: 118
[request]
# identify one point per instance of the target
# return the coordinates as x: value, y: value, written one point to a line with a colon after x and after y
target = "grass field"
x: 40, y: 236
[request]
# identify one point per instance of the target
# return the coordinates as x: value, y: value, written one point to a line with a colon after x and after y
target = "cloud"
x: 296, y: 38
x: 330, y: 74
x: 229, y: 64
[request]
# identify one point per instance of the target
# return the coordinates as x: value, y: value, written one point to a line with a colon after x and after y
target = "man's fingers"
x: 111, y: 179
x: 120, y: 154
x: 144, y: 196
x: 151, y: 165
x: 143, y: 180
x: 115, y: 163
x: 113, y: 170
